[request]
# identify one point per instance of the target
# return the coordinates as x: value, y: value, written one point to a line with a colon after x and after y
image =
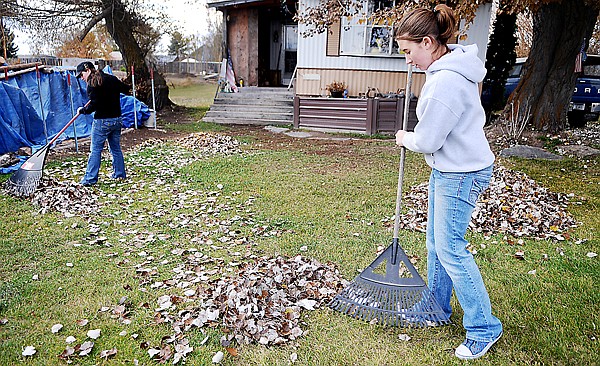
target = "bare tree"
x: 213, y: 41
x: 128, y: 26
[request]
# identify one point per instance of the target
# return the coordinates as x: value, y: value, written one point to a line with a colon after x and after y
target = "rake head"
x: 24, y: 181
x: 393, y: 306
x: 390, y: 292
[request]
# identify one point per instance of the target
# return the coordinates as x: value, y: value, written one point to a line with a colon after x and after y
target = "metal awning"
x: 227, y: 3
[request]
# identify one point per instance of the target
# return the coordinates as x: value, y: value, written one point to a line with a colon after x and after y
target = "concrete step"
x: 255, y: 101
x: 246, y: 121
x: 253, y: 105
x: 289, y: 116
x: 253, y: 108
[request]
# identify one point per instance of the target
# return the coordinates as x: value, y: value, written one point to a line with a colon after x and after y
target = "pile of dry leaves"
x: 210, y: 143
x: 261, y: 302
x: 67, y: 197
x: 514, y: 204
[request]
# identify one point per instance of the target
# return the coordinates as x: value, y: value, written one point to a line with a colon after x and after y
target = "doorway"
x: 289, y: 52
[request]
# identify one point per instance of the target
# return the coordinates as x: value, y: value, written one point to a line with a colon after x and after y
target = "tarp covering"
x: 22, y: 122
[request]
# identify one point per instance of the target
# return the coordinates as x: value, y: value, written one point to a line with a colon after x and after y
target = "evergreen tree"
x: 7, y: 42
x: 179, y: 45
x: 500, y: 58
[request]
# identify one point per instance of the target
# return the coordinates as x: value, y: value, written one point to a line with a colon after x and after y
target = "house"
x: 261, y: 38
x: 267, y: 49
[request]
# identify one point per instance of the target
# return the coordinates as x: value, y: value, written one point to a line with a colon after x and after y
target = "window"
x: 359, y: 36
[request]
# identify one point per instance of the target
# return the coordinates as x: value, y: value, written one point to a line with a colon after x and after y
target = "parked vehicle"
x: 585, y: 102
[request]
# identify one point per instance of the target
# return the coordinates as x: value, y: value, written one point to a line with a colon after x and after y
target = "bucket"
x: 151, y: 121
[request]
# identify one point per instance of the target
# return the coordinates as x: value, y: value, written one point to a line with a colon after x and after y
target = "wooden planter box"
x: 368, y: 115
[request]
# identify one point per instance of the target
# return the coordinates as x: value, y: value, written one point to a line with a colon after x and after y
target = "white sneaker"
x: 470, y: 349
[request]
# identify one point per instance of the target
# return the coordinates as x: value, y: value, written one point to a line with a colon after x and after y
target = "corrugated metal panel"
x: 331, y: 113
x: 333, y: 39
x: 373, y: 115
x: 314, y: 81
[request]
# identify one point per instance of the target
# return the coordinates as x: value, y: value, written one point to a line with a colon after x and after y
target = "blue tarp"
x: 22, y: 122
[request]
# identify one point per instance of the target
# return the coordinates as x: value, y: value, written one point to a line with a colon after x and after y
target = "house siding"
x: 315, y: 69
x: 313, y: 81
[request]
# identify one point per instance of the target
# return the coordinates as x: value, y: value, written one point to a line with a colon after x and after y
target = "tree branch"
x: 93, y: 22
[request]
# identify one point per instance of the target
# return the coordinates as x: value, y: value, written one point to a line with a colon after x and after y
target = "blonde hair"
x: 439, y: 24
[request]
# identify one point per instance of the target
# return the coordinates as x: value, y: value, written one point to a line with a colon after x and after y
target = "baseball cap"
x: 85, y: 65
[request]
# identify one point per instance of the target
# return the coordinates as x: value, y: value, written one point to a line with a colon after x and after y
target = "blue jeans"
x: 452, y: 198
x: 103, y: 130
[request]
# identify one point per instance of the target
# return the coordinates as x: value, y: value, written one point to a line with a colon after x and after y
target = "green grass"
x: 193, y: 95
x: 328, y: 198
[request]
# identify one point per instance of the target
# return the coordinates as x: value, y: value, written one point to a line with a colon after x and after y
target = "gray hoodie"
x: 451, y: 118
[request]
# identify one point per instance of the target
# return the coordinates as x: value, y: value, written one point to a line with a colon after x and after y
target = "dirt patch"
x: 324, y: 144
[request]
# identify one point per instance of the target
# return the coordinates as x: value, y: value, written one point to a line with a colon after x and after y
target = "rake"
x: 390, y: 291
x: 24, y: 181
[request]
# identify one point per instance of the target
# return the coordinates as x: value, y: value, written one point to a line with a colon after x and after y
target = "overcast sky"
x: 189, y: 15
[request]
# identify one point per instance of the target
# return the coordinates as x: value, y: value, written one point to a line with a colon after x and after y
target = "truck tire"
x: 576, y: 119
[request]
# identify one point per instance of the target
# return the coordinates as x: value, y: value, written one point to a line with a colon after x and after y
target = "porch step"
x: 253, y: 105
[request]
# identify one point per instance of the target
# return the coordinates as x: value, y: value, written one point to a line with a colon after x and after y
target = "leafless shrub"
x: 519, y: 118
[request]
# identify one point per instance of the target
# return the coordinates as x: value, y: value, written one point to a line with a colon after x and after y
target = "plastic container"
x: 151, y: 121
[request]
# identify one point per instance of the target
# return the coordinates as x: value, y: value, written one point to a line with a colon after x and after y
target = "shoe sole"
x: 483, y: 351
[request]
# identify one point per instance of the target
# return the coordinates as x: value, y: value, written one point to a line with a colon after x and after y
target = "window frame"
x: 369, y: 47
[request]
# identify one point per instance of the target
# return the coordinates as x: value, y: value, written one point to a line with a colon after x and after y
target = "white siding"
x: 311, y: 54
x: 479, y: 32
x: 311, y: 50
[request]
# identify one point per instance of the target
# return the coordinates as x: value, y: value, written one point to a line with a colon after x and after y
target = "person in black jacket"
x: 105, y: 102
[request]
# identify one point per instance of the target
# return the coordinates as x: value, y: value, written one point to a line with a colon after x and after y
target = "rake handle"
x: 66, y: 126
x: 401, y: 167
x: 402, y: 153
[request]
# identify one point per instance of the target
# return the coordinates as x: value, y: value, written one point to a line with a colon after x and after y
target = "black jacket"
x: 105, y: 99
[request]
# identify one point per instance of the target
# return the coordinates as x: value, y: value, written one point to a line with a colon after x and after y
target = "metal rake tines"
x: 23, y: 184
x: 390, y: 305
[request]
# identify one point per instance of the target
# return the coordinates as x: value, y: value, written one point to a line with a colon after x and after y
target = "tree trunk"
x: 120, y: 26
x: 548, y: 78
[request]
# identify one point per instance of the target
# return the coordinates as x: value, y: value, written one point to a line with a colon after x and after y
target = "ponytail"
x: 439, y: 24
x: 446, y: 23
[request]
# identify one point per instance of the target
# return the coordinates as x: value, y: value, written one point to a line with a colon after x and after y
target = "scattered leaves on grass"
x: 85, y: 348
x: 56, y: 328
x: 93, y: 333
x: 29, y: 351
x: 404, y: 337
x: 160, y: 354
x: 108, y: 353
x: 218, y: 357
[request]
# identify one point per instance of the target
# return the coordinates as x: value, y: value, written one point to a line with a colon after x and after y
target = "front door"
x: 289, y: 52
